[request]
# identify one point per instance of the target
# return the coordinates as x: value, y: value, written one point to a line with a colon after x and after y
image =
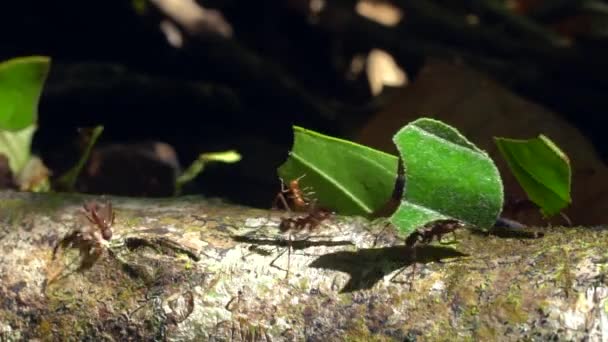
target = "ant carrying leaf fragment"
x: 297, y: 225
x: 90, y: 239
x: 293, y: 198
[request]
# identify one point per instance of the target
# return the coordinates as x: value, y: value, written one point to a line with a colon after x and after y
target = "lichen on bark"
x: 189, y: 269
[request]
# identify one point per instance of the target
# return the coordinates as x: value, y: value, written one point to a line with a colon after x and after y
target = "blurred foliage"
x: 67, y: 181
x: 201, y: 162
x: 21, y: 83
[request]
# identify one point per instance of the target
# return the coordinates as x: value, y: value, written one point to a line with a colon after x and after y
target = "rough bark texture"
x: 189, y: 270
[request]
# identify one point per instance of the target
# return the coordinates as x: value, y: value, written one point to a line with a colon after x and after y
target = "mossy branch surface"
x: 190, y: 269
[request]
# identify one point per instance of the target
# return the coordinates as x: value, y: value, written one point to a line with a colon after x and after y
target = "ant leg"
x: 409, y: 278
x: 386, y: 225
x: 284, y: 188
x: 453, y: 241
x: 283, y: 200
x: 279, y: 198
x: 272, y: 263
x: 288, y: 256
x: 277, y: 258
x: 412, y: 258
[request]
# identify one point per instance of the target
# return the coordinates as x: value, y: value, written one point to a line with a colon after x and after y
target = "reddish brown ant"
x: 425, y: 235
x: 294, y: 225
x: 89, y: 239
x: 102, y: 217
x: 295, y: 198
x: 436, y: 229
x: 309, y: 222
x: 299, y: 197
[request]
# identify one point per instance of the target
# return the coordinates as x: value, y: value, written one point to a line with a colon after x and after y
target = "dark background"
x: 250, y: 69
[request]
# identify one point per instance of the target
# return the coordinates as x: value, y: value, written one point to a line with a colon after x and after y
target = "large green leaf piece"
x: 21, y: 82
x: 350, y: 178
x: 447, y: 176
x: 541, y: 168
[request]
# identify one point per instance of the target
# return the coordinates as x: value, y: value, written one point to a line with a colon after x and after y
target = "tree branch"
x: 188, y: 269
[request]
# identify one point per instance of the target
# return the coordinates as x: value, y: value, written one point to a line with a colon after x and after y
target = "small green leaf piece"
x: 447, y: 176
x: 67, y: 181
x: 21, y: 82
x: 350, y: 178
x: 198, y: 166
x: 541, y: 168
x: 228, y: 157
x: 16, y: 145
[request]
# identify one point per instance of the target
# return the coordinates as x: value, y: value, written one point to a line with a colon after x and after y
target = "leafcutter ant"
x: 436, y: 229
x: 88, y: 239
x: 295, y: 198
x: 101, y: 217
x: 295, y: 225
x: 425, y: 235
x: 300, y: 198
x: 309, y: 222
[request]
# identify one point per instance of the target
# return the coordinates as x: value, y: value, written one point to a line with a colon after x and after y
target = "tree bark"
x: 190, y: 269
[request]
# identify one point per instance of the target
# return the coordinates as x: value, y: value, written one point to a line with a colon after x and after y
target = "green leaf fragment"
x: 541, y: 168
x: 228, y: 157
x: 21, y: 83
x: 447, y: 176
x: 350, y: 178
x: 198, y: 166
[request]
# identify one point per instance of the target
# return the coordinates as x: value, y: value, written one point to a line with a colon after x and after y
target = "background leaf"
x: 21, y: 82
x: 198, y: 166
x: 446, y: 177
x: 350, y: 178
x: 542, y: 170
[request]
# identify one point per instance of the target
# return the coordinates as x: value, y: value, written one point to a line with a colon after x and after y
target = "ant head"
x: 295, y: 182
